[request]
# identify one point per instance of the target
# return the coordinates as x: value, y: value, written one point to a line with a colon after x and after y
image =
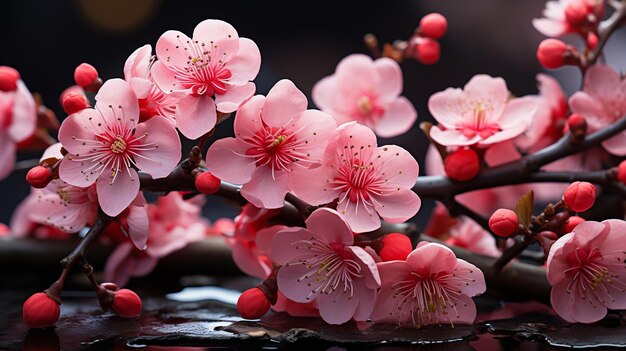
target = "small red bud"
x: 427, y: 51
x: 253, y: 304
x: 504, y: 222
x: 126, y: 304
x: 40, y: 311
x: 551, y: 53
x: 207, y: 183
x: 396, y: 246
x: 433, y: 25
x: 85, y: 75
x: 577, y: 124
x: 572, y: 222
x: 580, y: 196
x: 621, y: 172
x: 74, y: 101
x: 8, y: 78
x: 576, y: 13
x: 38, y: 177
x: 592, y: 40
x: 462, y: 165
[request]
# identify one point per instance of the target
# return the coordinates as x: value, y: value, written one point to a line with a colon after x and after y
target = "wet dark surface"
x: 204, y: 318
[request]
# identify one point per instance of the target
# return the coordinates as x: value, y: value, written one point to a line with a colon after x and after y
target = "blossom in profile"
x: 274, y: 137
x: 431, y: 287
x: 18, y: 119
x: 213, y: 69
x: 321, y: 264
x: 107, y: 145
x: 481, y: 113
x: 565, y: 16
x: 152, y: 100
x: 587, y: 272
x: 367, y: 181
x: 602, y: 102
x: 367, y: 92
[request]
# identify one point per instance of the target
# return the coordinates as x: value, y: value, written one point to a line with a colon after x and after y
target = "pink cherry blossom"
x: 602, y: 102
x: 587, y: 272
x: 367, y: 92
x: 321, y: 264
x: 107, y: 143
x: 554, y: 22
x: 152, y: 100
x: 173, y: 223
x: 18, y: 119
x: 251, y: 240
x: 368, y: 181
x: 213, y: 69
x: 431, y: 287
x: 480, y: 113
x: 275, y: 136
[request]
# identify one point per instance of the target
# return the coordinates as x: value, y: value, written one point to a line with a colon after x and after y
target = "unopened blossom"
x: 367, y: 181
x: 18, y: 119
x: 367, y: 92
x: 602, y: 102
x: 322, y: 264
x: 251, y: 240
x: 587, y: 271
x: 213, y: 69
x: 173, y: 224
x: 564, y: 16
x: 481, y: 113
x: 275, y: 136
x: 431, y: 287
x: 152, y: 100
x: 107, y: 145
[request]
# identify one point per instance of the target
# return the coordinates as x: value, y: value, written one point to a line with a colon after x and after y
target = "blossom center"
x: 275, y: 147
x: 118, y: 146
x: 359, y: 182
x: 478, y: 123
x: 365, y: 105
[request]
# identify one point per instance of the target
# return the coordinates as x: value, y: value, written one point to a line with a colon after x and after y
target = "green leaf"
x: 524, y: 209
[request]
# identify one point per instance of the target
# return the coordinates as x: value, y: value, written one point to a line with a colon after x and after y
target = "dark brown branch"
x: 613, y: 23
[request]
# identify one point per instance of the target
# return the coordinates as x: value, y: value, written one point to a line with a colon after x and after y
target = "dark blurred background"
x: 299, y: 40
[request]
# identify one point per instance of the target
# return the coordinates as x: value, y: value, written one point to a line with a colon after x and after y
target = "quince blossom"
x: 587, y: 272
x: 480, y: 113
x: 275, y: 137
x: 367, y: 181
x: 367, y: 92
x: 107, y: 143
x: 321, y: 264
x: 213, y: 69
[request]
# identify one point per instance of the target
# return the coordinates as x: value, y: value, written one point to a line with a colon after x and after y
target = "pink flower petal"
x: 452, y: 137
x: 396, y: 165
x: 71, y: 172
x: 169, y: 52
x: 485, y: 88
x: 224, y: 159
x: 359, y: 219
x: 371, y: 277
x: 248, y: 118
x: 432, y: 258
x: 117, y: 268
x: 351, y: 136
x: 390, y: 83
x: 356, y: 73
x: 324, y: 93
x: 399, y: 206
x: 589, y: 107
x: 616, y: 145
x: 7, y: 155
x: 549, y: 27
x: 330, y: 226
x: 246, y: 64
x: 116, y: 197
x: 138, y: 63
x: 283, y: 243
x: 195, y: 116
x: 138, y: 222
x: 603, y: 81
x: 470, y: 272
x: 164, y: 78
x: 283, y: 102
x: 311, y: 185
x: 337, y: 307
x: 220, y: 34
x: 235, y: 96
x: 463, y: 312
x: 117, y: 101
x: 367, y: 300
x: 265, y: 236
x: 313, y: 128
x: 518, y: 112
x: 397, y: 119
x: 79, y: 127
x: 24, y: 118
x: 446, y: 106
x: 141, y: 86
x: 162, y: 160
x: 267, y: 188
x: 247, y: 260
x: 562, y: 301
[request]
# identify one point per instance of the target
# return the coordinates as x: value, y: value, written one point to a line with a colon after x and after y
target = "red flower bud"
x: 551, y: 53
x: 577, y: 124
x: 433, y: 25
x: 207, y: 183
x: 462, y: 165
x: 572, y: 222
x: 503, y: 222
x: 621, y: 172
x: 40, y: 311
x: 85, y: 75
x: 74, y: 101
x: 395, y: 247
x: 576, y: 13
x: 8, y: 78
x: 126, y: 304
x: 592, y: 40
x: 253, y: 304
x: 579, y: 196
x: 38, y: 177
x: 427, y: 51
